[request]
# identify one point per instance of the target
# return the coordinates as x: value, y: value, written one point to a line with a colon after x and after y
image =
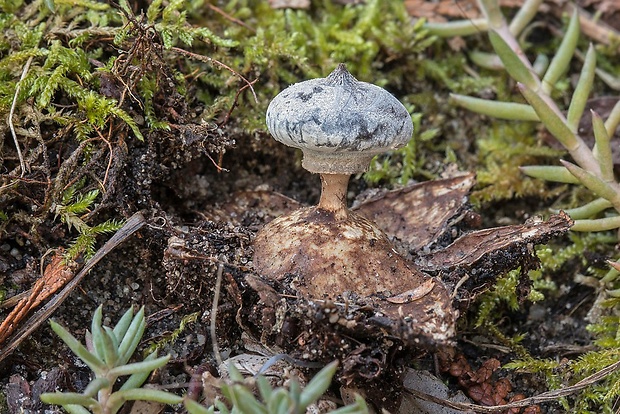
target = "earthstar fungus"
x: 327, y: 252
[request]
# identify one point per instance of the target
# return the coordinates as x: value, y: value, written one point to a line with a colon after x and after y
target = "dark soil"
x: 191, y: 232
x: 184, y: 197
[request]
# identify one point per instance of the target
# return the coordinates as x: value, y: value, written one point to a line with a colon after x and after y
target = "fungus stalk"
x: 334, y: 194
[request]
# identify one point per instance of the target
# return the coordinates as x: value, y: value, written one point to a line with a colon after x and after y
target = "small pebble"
x: 16, y: 254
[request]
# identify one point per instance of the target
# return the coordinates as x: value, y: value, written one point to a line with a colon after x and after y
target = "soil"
x: 170, y: 267
x: 198, y: 221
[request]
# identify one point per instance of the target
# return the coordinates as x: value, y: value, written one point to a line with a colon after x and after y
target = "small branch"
x: 235, y: 101
x: 12, y: 112
x: 231, y: 18
x: 216, y: 299
x: 207, y: 59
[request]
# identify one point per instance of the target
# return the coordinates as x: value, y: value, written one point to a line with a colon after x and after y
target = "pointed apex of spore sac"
x: 341, y: 77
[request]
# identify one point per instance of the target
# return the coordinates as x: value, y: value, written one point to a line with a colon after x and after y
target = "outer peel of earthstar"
x: 338, y: 122
x: 322, y: 257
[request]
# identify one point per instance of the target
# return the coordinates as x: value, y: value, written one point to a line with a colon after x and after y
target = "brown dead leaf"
x: 472, y: 248
x: 419, y: 214
x: 55, y: 276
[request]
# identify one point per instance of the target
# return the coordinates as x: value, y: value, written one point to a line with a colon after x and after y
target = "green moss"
x: 502, y: 149
x: 171, y: 337
x: 74, y: 203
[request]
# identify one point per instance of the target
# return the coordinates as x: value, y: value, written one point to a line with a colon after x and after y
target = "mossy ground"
x: 160, y: 108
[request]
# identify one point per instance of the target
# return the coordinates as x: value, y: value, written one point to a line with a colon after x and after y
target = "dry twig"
x: 56, y: 275
x: 12, y: 112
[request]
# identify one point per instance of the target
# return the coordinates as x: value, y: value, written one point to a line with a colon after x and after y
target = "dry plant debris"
x: 482, y: 387
x: 55, y: 276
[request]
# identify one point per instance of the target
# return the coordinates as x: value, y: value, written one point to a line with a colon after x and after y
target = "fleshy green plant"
x: 107, y: 353
x: 592, y: 167
x: 294, y: 400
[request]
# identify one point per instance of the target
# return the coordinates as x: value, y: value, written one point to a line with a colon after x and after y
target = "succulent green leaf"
x: 264, y: 388
x: 110, y: 347
x: 194, y: 407
x: 513, y: 64
x: 492, y: 12
x: 96, y: 336
x: 234, y: 373
x: 227, y: 391
x: 486, y: 60
x: 66, y: 398
x: 118, y: 398
x: 318, y: 385
x: 602, y: 149
x: 221, y: 407
x: 524, y: 16
x: 553, y: 121
x: 540, y: 65
x: 246, y: 401
x: 143, y: 366
x: 614, y: 293
x: 582, y: 90
x: 589, y: 210
x: 279, y: 402
x: 612, y: 274
x: 123, y: 324
x: 136, y: 380
x: 75, y: 409
x: 559, y: 63
x: 555, y: 174
x: 593, y: 183
x: 613, y: 120
x: 78, y: 349
x: 602, y: 224
x: 132, y: 337
x: 500, y: 110
x: 294, y: 391
x: 457, y: 28
x: 95, y: 385
x: 358, y: 407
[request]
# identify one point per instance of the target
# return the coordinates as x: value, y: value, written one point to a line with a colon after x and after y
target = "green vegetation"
x: 107, y: 354
x: 86, y: 83
x: 69, y: 210
x: 293, y: 400
x: 543, y: 88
